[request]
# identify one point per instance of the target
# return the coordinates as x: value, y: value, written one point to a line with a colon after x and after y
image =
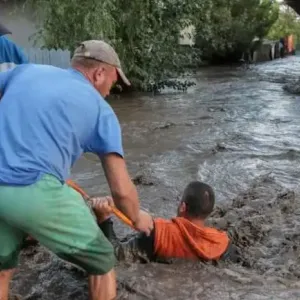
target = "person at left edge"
x: 10, y: 54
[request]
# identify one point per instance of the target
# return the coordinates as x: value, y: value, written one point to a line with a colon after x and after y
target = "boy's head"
x: 197, y: 202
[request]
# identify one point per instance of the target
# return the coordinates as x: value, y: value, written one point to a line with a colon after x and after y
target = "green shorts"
x: 56, y: 216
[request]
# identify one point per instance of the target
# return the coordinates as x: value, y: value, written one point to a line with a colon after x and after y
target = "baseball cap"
x: 100, y: 50
x: 4, y: 30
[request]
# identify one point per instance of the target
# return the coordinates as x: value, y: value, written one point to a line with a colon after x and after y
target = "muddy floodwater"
x: 237, y: 130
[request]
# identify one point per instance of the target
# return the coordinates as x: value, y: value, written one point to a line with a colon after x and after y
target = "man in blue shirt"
x: 10, y: 54
x: 48, y: 118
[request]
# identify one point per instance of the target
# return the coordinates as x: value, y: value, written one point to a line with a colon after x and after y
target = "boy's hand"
x: 102, y: 207
x: 144, y: 222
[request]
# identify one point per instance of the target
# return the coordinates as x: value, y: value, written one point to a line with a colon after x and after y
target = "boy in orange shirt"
x: 184, y: 236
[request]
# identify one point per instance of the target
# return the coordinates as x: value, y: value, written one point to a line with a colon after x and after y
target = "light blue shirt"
x: 48, y: 118
x: 10, y: 54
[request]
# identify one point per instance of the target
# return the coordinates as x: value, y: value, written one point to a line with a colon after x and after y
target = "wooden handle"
x: 117, y: 212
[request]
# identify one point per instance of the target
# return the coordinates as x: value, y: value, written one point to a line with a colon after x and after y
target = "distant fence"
x: 58, y: 58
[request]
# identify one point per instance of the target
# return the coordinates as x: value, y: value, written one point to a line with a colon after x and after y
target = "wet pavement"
x: 237, y: 130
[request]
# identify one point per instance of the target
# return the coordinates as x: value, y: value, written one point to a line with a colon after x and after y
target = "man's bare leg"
x: 5, y: 277
x: 102, y: 287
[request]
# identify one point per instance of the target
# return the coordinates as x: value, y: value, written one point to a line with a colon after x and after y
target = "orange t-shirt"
x: 179, y: 238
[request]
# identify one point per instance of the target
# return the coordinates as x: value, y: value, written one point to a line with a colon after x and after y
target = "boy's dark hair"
x: 199, y: 199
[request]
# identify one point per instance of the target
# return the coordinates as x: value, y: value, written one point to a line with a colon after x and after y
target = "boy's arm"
x: 108, y: 230
x: 139, y: 247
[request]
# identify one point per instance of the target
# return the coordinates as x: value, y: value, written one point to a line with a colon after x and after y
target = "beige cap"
x: 99, y: 50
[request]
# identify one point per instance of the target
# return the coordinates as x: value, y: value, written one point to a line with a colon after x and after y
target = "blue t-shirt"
x: 10, y: 54
x: 48, y: 118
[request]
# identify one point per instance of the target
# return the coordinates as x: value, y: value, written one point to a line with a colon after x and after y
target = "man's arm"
x: 107, y: 143
x: 124, y: 192
x: 122, y: 188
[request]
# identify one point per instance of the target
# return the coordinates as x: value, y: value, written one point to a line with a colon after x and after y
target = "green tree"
x: 287, y: 23
x: 144, y: 33
x: 229, y: 27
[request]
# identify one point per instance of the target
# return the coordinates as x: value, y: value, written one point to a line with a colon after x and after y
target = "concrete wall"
x: 20, y: 22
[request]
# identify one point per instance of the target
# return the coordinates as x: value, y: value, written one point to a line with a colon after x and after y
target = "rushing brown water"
x: 236, y: 130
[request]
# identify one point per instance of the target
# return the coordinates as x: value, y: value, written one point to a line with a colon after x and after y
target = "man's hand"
x: 102, y: 207
x: 144, y: 222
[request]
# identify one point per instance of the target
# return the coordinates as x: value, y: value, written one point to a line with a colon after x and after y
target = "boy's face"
x: 181, y: 210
